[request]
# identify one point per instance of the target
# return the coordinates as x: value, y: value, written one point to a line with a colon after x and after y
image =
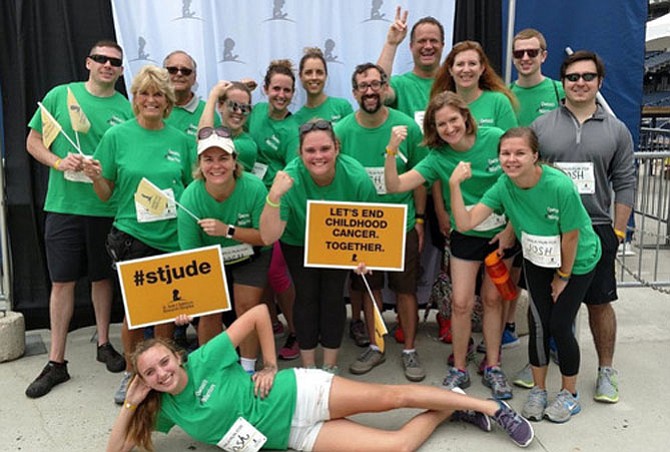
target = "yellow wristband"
x: 129, y: 406
x: 562, y: 275
x: 620, y: 234
x: 270, y: 203
x: 390, y: 152
x: 57, y: 164
x: 419, y: 220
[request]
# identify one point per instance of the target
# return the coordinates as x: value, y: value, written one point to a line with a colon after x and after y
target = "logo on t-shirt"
x: 552, y: 214
x: 205, y: 390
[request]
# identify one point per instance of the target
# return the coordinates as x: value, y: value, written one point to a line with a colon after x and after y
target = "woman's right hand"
x: 220, y: 88
x: 92, y: 169
x: 462, y: 172
x: 281, y: 185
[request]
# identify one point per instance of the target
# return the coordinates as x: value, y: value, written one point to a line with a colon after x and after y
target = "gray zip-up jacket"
x: 603, y: 140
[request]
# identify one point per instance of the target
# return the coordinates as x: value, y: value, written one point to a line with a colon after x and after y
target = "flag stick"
x: 186, y: 210
x: 60, y: 128
x: 374, y: 302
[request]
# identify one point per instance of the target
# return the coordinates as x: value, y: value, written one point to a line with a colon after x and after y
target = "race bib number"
x: 237, y: 253
x: 259, y: 170
x: 493, y: 221
x: 581, y: 174
x: 542, y: 250
x: 144, y: 216
x: 242, y: 437
x: 376, y: 175
x: 77, y: 176
x: 418, y: 118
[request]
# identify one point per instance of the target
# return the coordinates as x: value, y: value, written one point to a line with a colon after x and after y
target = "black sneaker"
x: 112, y: 359
x: 52, y: 374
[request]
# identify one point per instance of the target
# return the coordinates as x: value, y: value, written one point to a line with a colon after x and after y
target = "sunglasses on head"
x: 587, y: 76
x: 532, y: 53
x: 321, y: 124
x: 207, y: 132
x: 184, y: 70
x: 102, y: 59
x: 232, y: 106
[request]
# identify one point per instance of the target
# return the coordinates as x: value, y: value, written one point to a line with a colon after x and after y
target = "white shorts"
x: 311, y: 407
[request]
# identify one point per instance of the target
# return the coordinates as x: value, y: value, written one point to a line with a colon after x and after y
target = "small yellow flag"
x: 50, y: 127
x: 80, y: 122
x: 380, y: 327
x: 151, y: 197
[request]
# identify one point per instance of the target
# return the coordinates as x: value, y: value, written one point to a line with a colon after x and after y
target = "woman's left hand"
x: 263, y: 381
x: 557, y: 287
x: 213, y: 227
x: 398, y: 135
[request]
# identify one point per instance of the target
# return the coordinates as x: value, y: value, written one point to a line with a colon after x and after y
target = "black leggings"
x: 548, y: 319
x: 319, y: 313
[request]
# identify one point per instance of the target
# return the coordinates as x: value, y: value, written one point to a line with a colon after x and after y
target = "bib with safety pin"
x: 145, y: 216
x: 376, y: 175
x: 242, y: 437
x: 259, y: 170
x: 542, y: 250
x: 581, y: 174
x: 78, y: 176
x: 237, y: 253
x: 493, y: 221
x: 418, y: 118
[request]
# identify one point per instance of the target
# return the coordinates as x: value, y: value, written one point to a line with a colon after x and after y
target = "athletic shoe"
x: 335, y: 370
x: 120, y: 394
x: 481, y: 347
x: 470, y: 356
x: 563, y: 407
x: 473, y: 417
x: 482, y: 364
x: 533, y: 409
x: 52, y: 375
x: 509, y: 339
x: 367, y: 361
x: 278, y: 329
x: 495, y: 379
x: 519, y: 429
x: 112, y: 359
x: 413, y: 369
x: 358, y: 333
x: 524, y: 378
x: 607, y: 386
x: 456, y: 378
x: 290, y: 350
x: 444, y: 325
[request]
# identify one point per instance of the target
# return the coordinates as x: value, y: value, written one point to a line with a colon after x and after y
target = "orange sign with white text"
x: 343, y: 234
x: 157, y: 289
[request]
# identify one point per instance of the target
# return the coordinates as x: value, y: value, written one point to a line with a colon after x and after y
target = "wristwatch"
x: 231, y: 231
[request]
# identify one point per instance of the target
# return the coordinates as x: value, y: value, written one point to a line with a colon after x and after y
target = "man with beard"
x: 189, y: 107
x: 364, y: 135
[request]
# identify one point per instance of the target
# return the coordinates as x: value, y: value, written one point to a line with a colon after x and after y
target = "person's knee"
x: 61, y: 289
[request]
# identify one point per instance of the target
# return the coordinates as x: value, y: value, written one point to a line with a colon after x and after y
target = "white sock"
x: 409, y: 350
x: 248, y: 364
x: 374, y: 347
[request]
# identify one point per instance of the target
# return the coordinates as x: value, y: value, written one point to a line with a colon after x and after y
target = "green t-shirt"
x: 537, y: 100
x: 553, y: 206
x: 412, y: 94
x: 333, y: 109
x: 247, y: 151
x: 351, y: 184
x: 65, y: 196
x: 493, y: 109
x: 277, y: 141
x: 219, y: 391
x: 187, y: 117
x: 242, y: 208
x: 483, y: 157
x: 367, y: 145
x: 129, y: 152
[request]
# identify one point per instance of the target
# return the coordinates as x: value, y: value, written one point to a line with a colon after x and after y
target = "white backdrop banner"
x: 232, y: 39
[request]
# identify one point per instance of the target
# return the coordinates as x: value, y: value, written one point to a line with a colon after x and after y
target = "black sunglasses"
x: 102, y: 59
x: 532, y: 53
x: 207, y: 132
x: 245, y: 109
x: 587, y: 76
x: 184, y: 70
x: 320, y: 124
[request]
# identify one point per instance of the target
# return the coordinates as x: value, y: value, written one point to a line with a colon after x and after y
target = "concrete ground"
x: 78, y: 415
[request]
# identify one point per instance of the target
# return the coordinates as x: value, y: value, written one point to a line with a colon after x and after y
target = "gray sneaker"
x: 524, y: 378
x: 120, y: 394
x: 607, y: 385
x: 563, y: 407
x: 367, y: 361
x: 473, y: 417
x: 535, y: 405
x: 456, y: 379
x: 413, y: 369
x: 359, y: 333
x: 495, y: 379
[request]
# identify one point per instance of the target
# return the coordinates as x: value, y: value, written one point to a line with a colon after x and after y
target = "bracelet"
x: 58, y: 162
x: 270, y: 203
x: 562, y: 276
x: 390, y: 152
x: 129, y: 406
x: 619, y: 233
x: 419, y: 220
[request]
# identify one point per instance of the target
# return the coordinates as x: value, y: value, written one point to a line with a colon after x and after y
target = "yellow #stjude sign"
x: 157, y: 289
x: 343, y: 234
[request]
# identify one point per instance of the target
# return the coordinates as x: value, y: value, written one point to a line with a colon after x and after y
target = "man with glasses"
x: 537, y: 94
x: 364, y: 135
x: 77, y: 222
x: 188, y: 106
x: 596, y: 150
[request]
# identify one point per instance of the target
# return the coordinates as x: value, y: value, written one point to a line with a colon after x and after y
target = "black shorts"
x: 469, y: 248
x: 252, y: 272
x: 122, y: 246
x: 75, y: 247
x: 603, y: 286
